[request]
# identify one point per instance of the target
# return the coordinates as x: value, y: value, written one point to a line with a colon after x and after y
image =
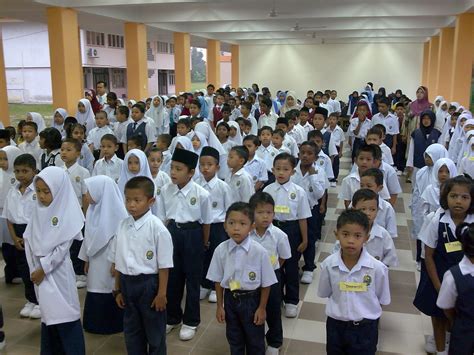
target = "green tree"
x: 198, y: 71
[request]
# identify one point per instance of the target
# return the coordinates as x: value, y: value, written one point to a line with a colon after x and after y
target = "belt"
x: 284, y: 223
x: 243, y: 293
x: 187, y: 225
x: 352, y: 323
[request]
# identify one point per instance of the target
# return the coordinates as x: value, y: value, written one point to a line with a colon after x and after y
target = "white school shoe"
x: 81, y: 281
x: 170, y: 327
x: 212, y: 297
x: 27, y: 309
x: 399, y: 173
x: 430, y: 344
x: 3, y: 344
x: 291, y: 310
x: 333, y: 184
x: 203, y: 293
x: 36, y: 312
x: 187, y: 332
x: 17, y: 280
x: 272, y: 351
x: 307, y: 277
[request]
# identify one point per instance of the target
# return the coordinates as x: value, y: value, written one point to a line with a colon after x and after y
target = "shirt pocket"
x: 293, y: 202
x: 251, y: 277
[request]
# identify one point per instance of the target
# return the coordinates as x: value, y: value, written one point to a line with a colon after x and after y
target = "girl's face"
x: 426, y: 121
x: 420, y: 94
x: 78, y: 134
x: 362, y: 111
x: 463, y: 120
x: 45, y: 197
x: 29, y: 118
x: 232, y: 132
x: 196, y: 142
x: 194, y: 110
x: 428, y: 160
x: 444, y: 107
x: 222, y: 132
x: 3, y: 160
x: 155, y: 160
x: 443, y: 174
x: 468, y: 127
x: 58, y: 119
x: 459, y: 199
x: 41, y: 143
x: 437, y: 102
x: 133, y: 164
x: 453, y: 121
x: 290, y: 101
x: 156, y: 102
x: 81, y: 108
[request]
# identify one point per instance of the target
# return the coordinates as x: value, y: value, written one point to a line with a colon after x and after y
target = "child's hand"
x: 159, y: 302
x: 119, y: 300
x: 86, y: 267
x: 260, y: 316
x: 19, y: 243
x: 220, y: 314
x: 322, y: 208
x: 37, y: 276
x: 302, y: 247
x: 394, y: 150
x: 112, y: 270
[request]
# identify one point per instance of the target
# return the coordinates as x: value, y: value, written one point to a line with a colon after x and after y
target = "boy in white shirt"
x: 322, y: 160
x: 303, y: 119
x: 110, y: 164
x: 266, y: 151
x: 255, y: 166
x: 160, y: 178
x: 337, y: 138
x: 240, y: 180
x: 120, y: 129
x: 95, y: 135
x: 267, y: 117
x: 334, y: 103
x: 389, y: 121
x: 295, y: 131
x: 389, y: 175
x: 288, y: 141
x: 30, y: 142
x: 358, y: 127
x: 375, y: 136
x: 246, y: 109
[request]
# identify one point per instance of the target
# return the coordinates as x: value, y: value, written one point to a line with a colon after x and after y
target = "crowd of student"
x: 220, y: 193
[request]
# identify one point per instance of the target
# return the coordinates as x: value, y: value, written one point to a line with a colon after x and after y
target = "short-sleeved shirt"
x: 141, y: 246
x: 390, y: 122
x: 110, y: 168
x: 257, y: 170
x: 448, y: 292
x: 291, y: 202
x: 242, y: 185
x: 18, y: 207
x: 32, y: 148
x: 386, y: 217
x: 391, y: 179
x: 95, y: 135
x: 245, y: 266
x: 363, y: 129
x: 77, y: 174
x: 275, y: 242
x: 386, y: 154
x: 337, y: 135
x: 267, y: 154
x: 221, y: 197
x: 351, y: 183
x: 291, y: 144
x: 120, y: 130
x: 323, y: 161
x: 348, y: 305
x: 315, y: 185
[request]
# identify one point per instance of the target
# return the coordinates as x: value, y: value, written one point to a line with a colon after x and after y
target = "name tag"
x: 273, y: 259
x: 234, y: 285
x: 453, y: 246
x: 282, y: 209
x: 352, y: 286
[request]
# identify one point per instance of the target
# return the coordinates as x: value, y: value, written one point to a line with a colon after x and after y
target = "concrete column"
x: 137, y: 65
x: 182, y: 62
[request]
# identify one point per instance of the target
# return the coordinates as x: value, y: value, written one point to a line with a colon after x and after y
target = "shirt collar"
x: 285, y: 186
x: 186, y: 188
x: 239, y: 172
x: 244, y: 245
x: 466, y: 266
x: 211, y: 183
x: 141, y: 221
x: 364, y: 261
x: 72, y: 167
x: 375, y: 231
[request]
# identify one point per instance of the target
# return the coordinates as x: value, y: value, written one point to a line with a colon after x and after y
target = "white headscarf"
x: 126, y: 175
x: 455, y: 143
x: 12, y: 153
x: 157, y: 114
x: 87, y: 118
x: 185, y: 143
x: 238, y: 137
x: 104, y: 215
x: 467, y: 164
x: 432, y: 193
x: 464, y: 147
x: 7, y: 176
x: 38, y: 119
x: 61, y: 221
x: 437, y: 98
x: 60, y: 127
x: 202, y: 139
x: 214, y: 142
x: 424, y: 176
x: 441, y: 116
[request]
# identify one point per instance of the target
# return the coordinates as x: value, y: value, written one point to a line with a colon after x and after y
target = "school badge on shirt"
x: 252, y: 276
x: 238, y: 183
x: 158, y: 191
x: 273, y: 154
x: 367, y: 279
x: 54, y: 221
x: 321, y: 163
x: 310, y: 189
x: 34, y: 197
x: 214, y: 204
x: 12, y: 181
x: 149, y: 255
x: 193, y: 201
x: 78, y: 178
x: 254, y: 178
x: 292, y: 195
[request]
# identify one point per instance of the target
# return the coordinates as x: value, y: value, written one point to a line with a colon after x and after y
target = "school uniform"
x: 257, y: 170
x: 235, y: 114
x: 110, y: 168
x: 386, y: 154
x: 386, y: 217
x: 307, y: 127
x: 352, y: 323
x: 283, y: 149
x: 143, y: 128
x: 86, y: 159
x: 291, y: 205
x: 456, y: 292
x: 359, y: 138
x: 267, y: 120
x: 120, y: 131
x: 228, y: 144
x: 140, y: 248
x: 166, y: 164
x: 185, y: 211
x: 172, y: 115
x: 32, y: 148
x: 298, y: 133
x: 323, y: 161
x: 351, y: 183
x: 242, y: 269
x: 267, y: 154
x: 439, y: 234
x: 51, y: 159
x: 335, y: 105
x: 390, y: 122
x: 390, y: 179
x: 337, y: 136
x: 95, y: 135
x: 110, y: 113
x: 254, y: 127
x: 241, y: 184
x: 290, y: 143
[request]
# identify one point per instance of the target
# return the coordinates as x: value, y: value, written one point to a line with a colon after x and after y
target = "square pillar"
x: 235, y: 60
x: 445, y: 62
x: 433, y: 66
x: 461, y: 74
x: 65, y: 57
x: 424, y: 73
x: 4, y: 113
x: 136, y: 56
x: 214, y: 62
x: 182, y: 62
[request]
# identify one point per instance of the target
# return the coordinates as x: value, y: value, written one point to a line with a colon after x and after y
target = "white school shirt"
x: 448, y: 292
x: 241, y: 183
x: 235, y: 114
x: 291, y: 201
x: 326, y: 106
x: 141, y: 246
x: 253, y: 121
x: 110, y: 113
x: 160, y: 180
x: 95, y: 135
x: 257, y: 169
x: 246, y: 263
x: 335, y: 105
x: 221, y: 197
x: 86, y: 160
x: 390, y: 122
x: 390, y: 178
x: 32, y: 148
x: 314, y: 185
x: 228, y: 145
x: 275, y: 242
x: 267, y: 154
x: 337, y: 135
x: 192, y: 203
x: 99, y: 279
x: 57, y: 157
x: 351, y: 183
x: 166, y: 164
x: 387, y: 218
x: 324, y: 162
x: 298, y: 134
x: 363, y: 129
x: 77, y: 174
x: 120, y: 130
x: 386, y: 154
x: 332, y: 149
x: 354, y: 306
x: 307, y: 127
x: 18, y: 207
x: 290, y: 143
x: 283, y: 149
x: 267, y: 120
x: 110, y: 168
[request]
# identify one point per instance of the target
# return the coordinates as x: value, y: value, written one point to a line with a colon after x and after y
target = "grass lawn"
x: 18, y: 111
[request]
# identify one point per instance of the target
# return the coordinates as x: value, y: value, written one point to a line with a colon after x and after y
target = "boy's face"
x: 373, y: 139
x: 182, y: 129
x: 241, y: 125
x: 282, y: 126
x: 282, y: 170
x: 131, y: 144
x: 244, y: 110
x: 194, y: 110
x: 251, y: 147
x: 247, y: 129
x: 234, y: 161
x: 28, y: 133
x: 208, y: 166
x: 369, y: 207
x: 383, y: 108
x: 121, y: 117
x: 225, y: 115
x: 161, y: 144
x: 303, y: 117
x: 69, y: 153
x: 101, y: 120
x: 309, y: 103
x: 368, y: 182
x: 172, y: 102
x: 264, y: 109
x: 325, y: 99
x: 238, y: 226
x: 108, y: 148
x: 137, y: 115
x: 231, y: 103
x: 352, y: 237
x: 222, y: 132
x: 264, y: 214
x: 180, y: 174
x: 333, y: 95
x: 265, y: 138
x: 4, y: 142
x: 154, y: 160
x: 318, y: 141
x: 24, y: 174
x: 318, y: 121
x: 317, y: 97
x: 219, y: 100
x: 332, y: 122
x: 43, y: 193
x: 137, y: 202
x: 400, y: 111
x: 111, y: 102
x: 307, y: 155
x: 277, y: 140
x: 77, y: 134
x: 364, y: 161
x: 3, y: 160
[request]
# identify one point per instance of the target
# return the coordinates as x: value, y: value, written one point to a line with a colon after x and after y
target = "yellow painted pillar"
x: 182, y: 62
x: 137, y: 65
x: 65, y: 58
x: 214, y: 62
x: 445, y: 62
x: 462, y: 59
x: 234, y: 50
x: 4, y: 114
x: 433, y: 66
x: 424, y: 72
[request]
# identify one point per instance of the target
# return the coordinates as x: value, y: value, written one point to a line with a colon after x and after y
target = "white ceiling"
x: 260, y: 21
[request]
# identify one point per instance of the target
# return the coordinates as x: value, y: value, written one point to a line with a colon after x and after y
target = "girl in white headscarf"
x: 235, y: 135
x: 199, y: 141
x: 437, y: 102
x: 58, y: 121
x: 464, y: 151
x: 56, y: 221
x: 134, y: 164
x: 441, y: 115
x: 85, y: 114
x: 290, y: 103
x: 456, y: 141
x: 443, y: 169
x: 106, y: 210
x: 36, y: 118
x: 467, y: 163
x: 214, y: 142
x: 157, y: 113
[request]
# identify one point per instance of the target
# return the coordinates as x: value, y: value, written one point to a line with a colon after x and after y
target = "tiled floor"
x: 402, y: 328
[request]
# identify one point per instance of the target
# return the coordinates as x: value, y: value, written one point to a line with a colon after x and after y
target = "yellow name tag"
x: 282, y: 209
x: 352, y: 286
x: 234, y: 285
x: 273, y: 259
x: 453, y: 246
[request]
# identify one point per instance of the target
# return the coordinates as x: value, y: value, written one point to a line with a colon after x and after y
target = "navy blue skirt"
x: 101, y: 314
x: 426, y: 295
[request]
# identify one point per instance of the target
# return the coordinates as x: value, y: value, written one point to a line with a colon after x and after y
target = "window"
x: 171, y: 48
x: 118, y: 78
x: 171, y: 79
x: 95, y: 38
x: 115, y: 41
x: 162, y: 47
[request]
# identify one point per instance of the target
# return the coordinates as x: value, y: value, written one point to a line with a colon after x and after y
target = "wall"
x: 226, y: 73
x: 344, y: 67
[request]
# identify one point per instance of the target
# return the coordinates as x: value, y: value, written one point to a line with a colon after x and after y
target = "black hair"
x: 315, y: 133
x: 265, y: 128
x: 292, y: 114
x: 247, y: 105
x: 364, y: 195
x: 377, y: 174
x: 76, y: 144
x: 101, y: 82
x: 385, y: 101
x: 225, y: 124
x: 12, y: 131
x: 112, y: 95
x: 124, y: 110
x: 196, y: 102
x: 261, y: 198
x: 465, y: 234
x: 226, y: 108
x: 240, y: 119
x: 369, y: 148
x: 30, y: 124
x: 267, y: 102
x: 285, y: 156
x: 137, y: 140
x: 381, y: 127
x: 25, y: 160
x: 154, y: 150
x: 241, y: 151
x: 165, y: 138
x: 102, y: 112
x: 52, y: 138
x: 142, y: 183
x: 247, y: 123
x: 185, y: 121
x: 72, y: 127
x: 375, y: 130
x: 333, y: 114
x: 279, y: 132
x: 312, y: 145
x: 352, y: 216
x: 241, y: 207
x: 304, y: 108
x: 447, y: 187
x: 109, y: 137
x: 140, y: 107
x: 254, y: 139
x: 211, y: 86
x: 4, y: 134
x: 400, y: 104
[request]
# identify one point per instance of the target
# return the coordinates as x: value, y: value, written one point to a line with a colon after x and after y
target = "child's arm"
x: 393, y: 199
x: 19, y: 243
x: 220, y: 313
x: 85, y: 204
x: 304, y: 234
x: 118, y: 297
x: 341, y: 146
x: 259, y: 185
x: 431, y: 267
x: 450, y: 314
x: 324, y: 201
x: 347, y: 203
x: 260, y: 313
x: 206, y: 231
x: 159, y: 302
x: 148, y: 147
x: 394, y: 145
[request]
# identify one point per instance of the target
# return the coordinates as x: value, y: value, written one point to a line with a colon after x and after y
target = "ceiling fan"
x: 273, y: 12
x: 297, y: 27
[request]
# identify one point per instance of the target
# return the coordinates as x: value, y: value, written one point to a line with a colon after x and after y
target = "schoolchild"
x: 255, y: 166
x: 110, y: 165
x: 239, y: 180
x: 50, y: 140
